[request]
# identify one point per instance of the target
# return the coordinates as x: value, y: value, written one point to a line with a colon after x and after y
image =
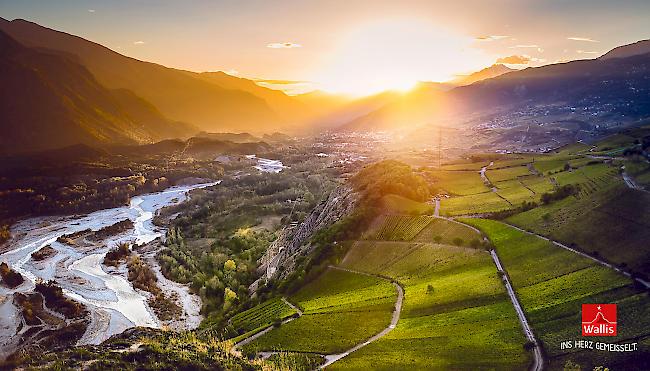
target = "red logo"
x: 598, y: 319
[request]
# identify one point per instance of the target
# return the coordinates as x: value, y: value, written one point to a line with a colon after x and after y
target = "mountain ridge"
x: 73, y: 107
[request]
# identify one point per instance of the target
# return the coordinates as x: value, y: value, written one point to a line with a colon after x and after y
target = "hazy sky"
x: 346, y: 45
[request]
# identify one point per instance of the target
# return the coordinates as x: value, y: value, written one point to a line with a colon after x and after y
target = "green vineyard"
x: 261, y: 315
x: 400, y: 227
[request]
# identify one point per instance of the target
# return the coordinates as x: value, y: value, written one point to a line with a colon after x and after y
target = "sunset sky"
x: 355, y: 47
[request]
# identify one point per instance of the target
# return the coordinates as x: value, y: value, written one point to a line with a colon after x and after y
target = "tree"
x: 229, y: 265
x: 430, y: 289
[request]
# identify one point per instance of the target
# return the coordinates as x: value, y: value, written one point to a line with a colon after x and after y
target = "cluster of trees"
x: 143, y: 278
x: 118, y: 253
x: 57, y: 301
x: 66, y: 187
x: 221, y: 274
x: 5, y: 233
x: 391, y: 177
x: 10, y: 277
x: 245, y: 201
x: 43, y: 253
x: 560, y: 193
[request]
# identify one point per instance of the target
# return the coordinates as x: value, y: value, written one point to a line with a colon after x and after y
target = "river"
x: 113, y: 303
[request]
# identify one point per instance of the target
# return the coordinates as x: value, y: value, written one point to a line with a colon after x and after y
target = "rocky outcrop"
x: 293, y: 240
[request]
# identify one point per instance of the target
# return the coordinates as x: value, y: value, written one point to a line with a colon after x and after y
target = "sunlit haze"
x: 396, y: 54
x: 353, y: 47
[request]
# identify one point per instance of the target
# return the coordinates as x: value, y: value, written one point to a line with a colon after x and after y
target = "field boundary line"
x: 331, y: 358
x: 643, y: 282
x: 538, y: 358
x: 268, y: 328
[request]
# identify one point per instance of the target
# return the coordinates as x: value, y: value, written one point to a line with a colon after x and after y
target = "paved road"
x: 646, y: 284
x: 331, y: 358
x: 538, y: 360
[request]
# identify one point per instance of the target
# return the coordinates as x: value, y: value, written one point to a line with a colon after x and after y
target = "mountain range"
x: 617, y: 84
x: 62, y: 90
x: 49, y: 101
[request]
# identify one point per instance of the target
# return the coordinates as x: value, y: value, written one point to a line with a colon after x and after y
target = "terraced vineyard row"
x: 455, y: 315
x: 400, y: 227
x: 552, y: 283
x: 262, y: 315
x: 341, y: 309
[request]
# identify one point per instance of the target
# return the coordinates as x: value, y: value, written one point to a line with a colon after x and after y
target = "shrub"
x: 116, y: 254
x: 529, y: 345
x: 9, y: 276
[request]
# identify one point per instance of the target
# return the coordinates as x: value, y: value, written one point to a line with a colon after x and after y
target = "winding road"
x: 266, y: 330
x: 331, y: 358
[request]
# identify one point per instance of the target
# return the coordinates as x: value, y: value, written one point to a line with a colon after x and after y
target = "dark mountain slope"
x: 618, y: 86
x: 177, y: 94
x: 592, y: 82
x: 637, y: 48
x: 486, y: 73
x: 49, y: 101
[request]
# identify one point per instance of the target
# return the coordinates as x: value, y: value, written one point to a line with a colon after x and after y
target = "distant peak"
x: 629, y: 50
x: 486, y: 73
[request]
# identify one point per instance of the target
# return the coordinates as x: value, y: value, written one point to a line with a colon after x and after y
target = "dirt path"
x: 486, y: 180
x: 630, y: 183
x: 331, y: 358
x: 266, y: 330
x: 292, y: 306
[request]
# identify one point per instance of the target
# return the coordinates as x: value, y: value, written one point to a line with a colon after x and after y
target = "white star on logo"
x: 598, y: 307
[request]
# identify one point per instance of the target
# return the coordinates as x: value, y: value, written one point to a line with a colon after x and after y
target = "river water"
x: 266, y: 165
x: 111, y: 299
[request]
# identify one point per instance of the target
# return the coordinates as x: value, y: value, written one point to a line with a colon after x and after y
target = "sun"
x: 395, y: 55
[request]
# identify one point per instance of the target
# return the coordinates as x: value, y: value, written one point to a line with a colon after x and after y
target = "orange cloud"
x: 515, y: 59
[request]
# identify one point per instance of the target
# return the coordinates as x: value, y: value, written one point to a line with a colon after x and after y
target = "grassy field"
x: 537, y: 184
x: 498, y: 175
x: 460, y: 182
x: 340, y: 308
x: 552, y: 283
x: 455, y: 314
x: 473, y: 204
x: 400, y: 205
x: 514, y: 160
x: 515, y: 191
x: 261, y: 315
x: 446, y: 232
x: 613, y: 222
x: 471, y: 166
x: 398, y: 227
